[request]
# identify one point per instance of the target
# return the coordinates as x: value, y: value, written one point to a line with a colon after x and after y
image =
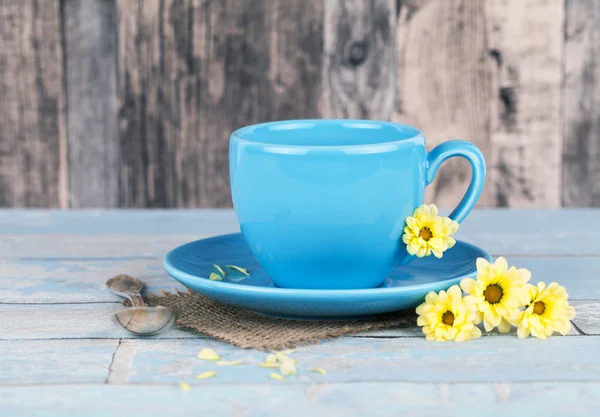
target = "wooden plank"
x: 78, y: 247
x: 192, y: 71
x: 85, y: 321
x: 42, y: 234
x: 120, y: 246
x: 32, y: 133
x: 575, y: 399
x: 31, y: 281
x: 55, y: 361
x: 67, y: 321
x: 50, y: 281
x: 90, y: 72
x: 525, y: 39
x: 581, y: 101
x: 443, y: 85
x: 503, y: 223
x: 358, y: 64
x: 588, y: 316
x: 374, y: 360
x: 104, y: 222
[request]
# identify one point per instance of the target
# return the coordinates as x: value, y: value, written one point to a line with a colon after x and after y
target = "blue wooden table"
x: 60, y: 354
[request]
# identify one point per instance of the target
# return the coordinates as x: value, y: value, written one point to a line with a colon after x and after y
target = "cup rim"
x: 384, y: 146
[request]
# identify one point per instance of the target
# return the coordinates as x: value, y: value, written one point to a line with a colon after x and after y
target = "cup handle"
x: 471, y: 153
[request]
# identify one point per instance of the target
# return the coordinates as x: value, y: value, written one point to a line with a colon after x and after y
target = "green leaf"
x: 237, y: 268
x: 215, y: 277
x: 218, y: 268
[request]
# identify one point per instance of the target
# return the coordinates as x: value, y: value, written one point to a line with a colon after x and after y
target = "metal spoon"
x: 140, y: 319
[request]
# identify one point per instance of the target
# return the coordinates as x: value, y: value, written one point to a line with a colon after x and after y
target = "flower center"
x: 425, y: 233
x: 493, y: 293
x: 448, y: 318
x: 539, y: 307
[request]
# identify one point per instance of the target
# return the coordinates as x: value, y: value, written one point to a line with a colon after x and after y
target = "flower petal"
x: 523, y: 332
x: 208, y: 355
x: 288, y: 368
x: 228, y: 363
x: 467, y: 285
x: 319, y: 370
x: 206, y: 375
x: 482, y: 264
x: 504, y: 326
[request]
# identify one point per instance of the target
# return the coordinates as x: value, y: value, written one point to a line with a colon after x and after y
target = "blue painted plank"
x: 588, y: 316
x: 105, y: 222
x: 375, y: 399
x: 510, y: 232
x: 65, y: 246
x: 61, y: 281
x: 100, y: 222
x: 64, y: 281
x: 77, y: 321
x: 55, y: 361
x: 67, y: 321
x: 489, y: 359
x: 518, y: 233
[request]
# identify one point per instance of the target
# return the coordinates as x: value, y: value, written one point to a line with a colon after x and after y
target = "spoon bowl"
x: 139, y: 319
x: 146, y: 321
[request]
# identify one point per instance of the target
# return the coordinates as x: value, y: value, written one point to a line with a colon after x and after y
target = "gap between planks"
x: 159, y: 258
x: 289, y: 381
x: 112, y: 362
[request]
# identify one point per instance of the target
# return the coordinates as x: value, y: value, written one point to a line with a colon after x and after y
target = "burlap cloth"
x: 247, y: 329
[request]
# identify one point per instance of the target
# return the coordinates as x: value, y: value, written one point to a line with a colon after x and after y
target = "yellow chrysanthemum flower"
x: 498, y: 293
x: 548, y: 311
x: 447, y: 316
x: 426, y: 232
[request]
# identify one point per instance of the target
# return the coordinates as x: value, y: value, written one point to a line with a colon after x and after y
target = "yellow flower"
x: 447, y: 316
x: 498, y: 293
x: 426, y: 232
x: 548, y: 311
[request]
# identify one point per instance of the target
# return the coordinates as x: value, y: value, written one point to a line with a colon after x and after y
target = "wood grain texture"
x: 33, y: 281
x: 45, y: 281
x: 192, y: 71
x: 131, y: 222
x: 375, y: 360
x: 525, y: 38
x: 90, y: 74
x: 358, y: 65
x: 575, y: 399
x: 588, y: 316
x: 32, y: 131
x: 55, y: 361
x: 143, y: 235
x: 581, y: 104
x: 68, y: 321
x: 443, y: 85
x: 93, y: 321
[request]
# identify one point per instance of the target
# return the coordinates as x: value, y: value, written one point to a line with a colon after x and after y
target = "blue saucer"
x: 406, y: 287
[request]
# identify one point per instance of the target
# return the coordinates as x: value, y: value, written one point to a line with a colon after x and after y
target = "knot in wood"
x: 357, y: 53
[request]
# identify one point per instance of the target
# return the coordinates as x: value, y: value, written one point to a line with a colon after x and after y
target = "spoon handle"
x: 136, y: 300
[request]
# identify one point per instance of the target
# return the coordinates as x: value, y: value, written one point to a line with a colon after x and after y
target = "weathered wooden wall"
x: 129, y: 103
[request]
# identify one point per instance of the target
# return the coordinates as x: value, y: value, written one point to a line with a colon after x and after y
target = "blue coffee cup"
x: 322, y: 203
